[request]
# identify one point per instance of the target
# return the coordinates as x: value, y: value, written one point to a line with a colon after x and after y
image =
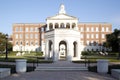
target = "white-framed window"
x: 81, y: 36
x: 36, y: 36
x: 21, y: 36
x: 92, y: 36
x: 107, y: 29
x: 36, y: 42
x: 88, y: 36
x: 27, y: 43
x: 88, y: 42
x: 92, y: 29
x: 96, y: 36
x: 21, y: 29
x: 103, y: 29
x: 42, y: 29
x: 26, y: 36
x: 31, y: 36
x: 36, y: 29
x: 31, y: 43
x: 88, y: 29
x: 81, y: 29
x: 16, y: 29
x: 31, y: 29
x: 16, y: 43
x: 103, y: 36
x: 26, y: 29
x: 21, y: 43
x: 97, y: 29
x: 16, y: 36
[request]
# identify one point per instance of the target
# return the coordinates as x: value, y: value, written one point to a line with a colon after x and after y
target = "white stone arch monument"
x: 63, y: 35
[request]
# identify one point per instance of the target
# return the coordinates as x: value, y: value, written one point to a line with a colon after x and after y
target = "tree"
x: 3, y: 43
x: 112, y: 40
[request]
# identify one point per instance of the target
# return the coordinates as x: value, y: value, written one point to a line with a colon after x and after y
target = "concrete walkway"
x: 59, y: 75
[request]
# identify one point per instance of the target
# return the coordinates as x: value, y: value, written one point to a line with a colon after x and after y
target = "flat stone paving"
x: 59, y: 75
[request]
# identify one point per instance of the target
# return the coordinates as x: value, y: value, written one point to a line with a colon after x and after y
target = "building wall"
x: 26, y: 35
x: 32, y: 35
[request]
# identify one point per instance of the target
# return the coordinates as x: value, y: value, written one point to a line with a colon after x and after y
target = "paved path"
x: 59, y: 75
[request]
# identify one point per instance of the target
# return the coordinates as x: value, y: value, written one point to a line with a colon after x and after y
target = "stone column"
x: 53, y: 25
x: 70, y: 25
x: 56, y: 51
x: 47, y: 50
x: 102, y: 66
x: 70, y: 51
x: 47, y: 26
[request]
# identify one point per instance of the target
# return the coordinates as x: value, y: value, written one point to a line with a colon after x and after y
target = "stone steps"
x: 60, y: 68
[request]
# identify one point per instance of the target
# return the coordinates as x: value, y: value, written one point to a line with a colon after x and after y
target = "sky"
x: 36, y: 11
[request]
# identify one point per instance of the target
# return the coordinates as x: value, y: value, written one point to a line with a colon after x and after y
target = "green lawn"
x: 31, y: 57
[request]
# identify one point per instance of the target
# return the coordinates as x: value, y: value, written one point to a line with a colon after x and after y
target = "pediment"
x: 61, y: 17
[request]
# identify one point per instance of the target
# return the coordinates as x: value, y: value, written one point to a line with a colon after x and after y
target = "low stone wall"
x: 4, y: 72
x: 116, y: 73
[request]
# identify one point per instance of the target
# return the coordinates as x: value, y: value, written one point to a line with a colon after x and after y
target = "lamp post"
x: 119, y: 45
x: 6, y: 36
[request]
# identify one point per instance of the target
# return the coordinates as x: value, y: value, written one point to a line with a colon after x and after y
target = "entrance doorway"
x: 62, y: 50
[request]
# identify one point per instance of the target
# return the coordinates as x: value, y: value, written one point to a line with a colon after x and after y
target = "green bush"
x: 85, y: 53
x: 39, y: 53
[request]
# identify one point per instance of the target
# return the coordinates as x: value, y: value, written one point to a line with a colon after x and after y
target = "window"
x: 31, y: 36
x: 26, y: 42
x: 31, y: 43
x: 36, y: 43
x: 31, y: 29
x: 87, y: 29
x: 26, y: 29
x: 42, y: 29
x: 96, y: 36
x: 103, y: 35
x: 81, y: 29
x: 21, y: 29
x: 88, y: 42
x: 92, y: 36
x: 21, y: 36
x: 92, y: 29
x: 16, y: 43
x: 16, y: 29
x: 103, y: 29
x: 88, y: 36
x: 36, y: 36
x: 37, y: 29
x: 21, y: 42
x: 16, y: 36
x: 26, y: 36
x: 81, y: 36
x: 107, y: 29
x: 97, y: 29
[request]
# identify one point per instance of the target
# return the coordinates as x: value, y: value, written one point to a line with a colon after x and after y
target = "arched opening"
x: 62, y: 50
x: 62, y: 25
x: 75, y: 49
x: 50, y: 26
x: 73, y: 25
x: 56, y: 25
x: 68, y: 26
x: 50, y: 54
